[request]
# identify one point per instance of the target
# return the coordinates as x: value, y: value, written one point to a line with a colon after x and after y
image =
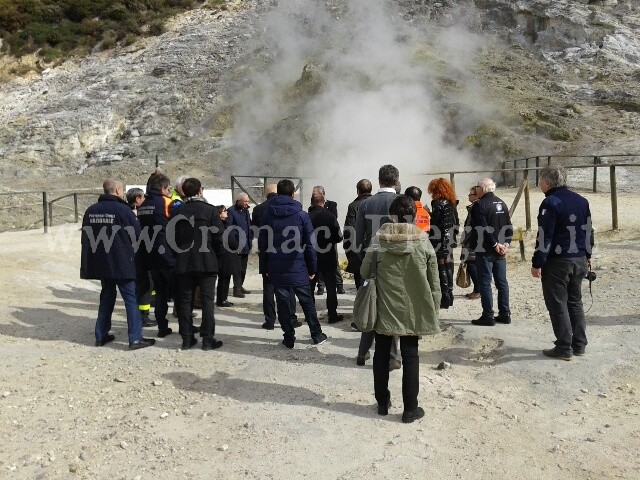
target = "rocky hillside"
x: 254, y: 87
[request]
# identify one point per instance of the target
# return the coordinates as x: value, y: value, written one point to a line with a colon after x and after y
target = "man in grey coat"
x: 372, y: 214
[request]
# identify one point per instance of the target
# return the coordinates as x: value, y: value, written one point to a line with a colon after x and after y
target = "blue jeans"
x: 107, y: 302
x: 283, y: 300
x: 269, y: 303
x: 492, y: 265
x: 562, y: 289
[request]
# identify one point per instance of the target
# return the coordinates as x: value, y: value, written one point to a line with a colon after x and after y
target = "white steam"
x: 373, y: 102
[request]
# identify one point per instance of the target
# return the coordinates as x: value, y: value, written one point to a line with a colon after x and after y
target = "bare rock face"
x: 561, y: 75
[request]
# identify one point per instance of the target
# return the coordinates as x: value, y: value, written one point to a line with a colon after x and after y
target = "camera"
x: 591, y: 276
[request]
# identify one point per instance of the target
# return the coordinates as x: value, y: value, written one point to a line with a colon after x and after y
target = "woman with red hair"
x: 444, y: 228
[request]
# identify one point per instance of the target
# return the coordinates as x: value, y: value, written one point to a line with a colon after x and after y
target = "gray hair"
x: 241, y: 195
x: 179, y: 181
x: 487, y: 185
x: 556, y: 176
x: 110, y: 186
x: 320, y: 189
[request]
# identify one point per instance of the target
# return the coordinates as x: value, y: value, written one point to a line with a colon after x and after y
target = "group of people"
x: 184, y: 246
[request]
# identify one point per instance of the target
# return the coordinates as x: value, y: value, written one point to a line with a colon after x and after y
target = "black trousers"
x: 410, y: 370
x: 269, y: 302
x: 223, y: 289
x: 331, y: 287
x: 162, y: 284
x: 238, y: 278
x: 207, y: 284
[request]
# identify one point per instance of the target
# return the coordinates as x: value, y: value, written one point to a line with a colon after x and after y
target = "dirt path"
x: 256, y: 410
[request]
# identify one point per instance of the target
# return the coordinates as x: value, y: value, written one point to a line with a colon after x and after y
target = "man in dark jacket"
x: 328, y: 235
x: 109, y: 232
x: 240, y: 220
x: 372, y: 214
x: 268, y: 292
x: 156, y: 254
x: 562, y: 260
x: 331, y: 207
x: 363, y: 188
x: 198, y: 244
x: 287, y: 252
x: 490, y: 238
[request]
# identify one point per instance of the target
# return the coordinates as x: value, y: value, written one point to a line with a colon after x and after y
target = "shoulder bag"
x: 365, y: 312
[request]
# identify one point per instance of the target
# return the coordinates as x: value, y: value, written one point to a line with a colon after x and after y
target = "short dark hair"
x: 158, y: 181
x: 286, y: 187
x: 191, y: 187
x: 414, y: 192
x: 220, y: 209
x: 364, y: 186
x: 317, y: 200
x: 404, y: 208
x: 388, y: 176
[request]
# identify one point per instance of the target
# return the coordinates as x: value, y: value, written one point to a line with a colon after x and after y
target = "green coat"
x: 407, y: 281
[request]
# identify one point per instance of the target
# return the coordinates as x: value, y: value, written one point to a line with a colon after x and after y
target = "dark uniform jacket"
x: 490, y: 223
x: 239, y: 217
x: 328, y: 235
x: 229, y: 259
x: 197, y: 252
x: 153, y: 216
x: 292, y: 257
x: 259, y: 211
x: 444, y: 227
x: 109, y: 231
x: 564, y: 227
x: 350, y: 234
x: 331, y: 207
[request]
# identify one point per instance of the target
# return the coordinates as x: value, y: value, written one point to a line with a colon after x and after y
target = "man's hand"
x: 536, y: 272
x: 311, y: 277
x: 501, y: 248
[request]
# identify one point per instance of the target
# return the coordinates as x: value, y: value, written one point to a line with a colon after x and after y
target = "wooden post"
x: 452, y: 180
x: 595, y: 174
x: 527, y: 201
x: 548, y: 161
x: 233, y: 195
x: 45, y: 212
x: 526, y: 164
x: 504, y: 167
x: 75, y: 207
x: 51, y: 214
x: 537, y: 171
x: 515, y: 175
x: 614, y: 197
x: 157, y: 161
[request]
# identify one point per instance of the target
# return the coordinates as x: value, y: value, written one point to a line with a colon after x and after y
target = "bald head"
x: 270, y: 188
x: 112, y: 186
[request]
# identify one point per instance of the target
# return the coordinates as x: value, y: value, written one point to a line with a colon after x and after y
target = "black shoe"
x: 210, y: 343
x: 340, y: 290
x: 555, y: 353
x: 268, y: 326
x: 506, y: 320
x: 164, y: 332
x: 362, y: 359
x: 224, y: 304
x: 384, y: 409
x: 147, y: 322
x: 238, y: 294
x: 144, y: 343
x: 296, y: 324
x: 288, y: 345
x: 195, y: 329
x: 320, y: 340
x: 484, y: 322
x: 105, y: 340
x: 578, y: 351
x: 336, y: 319
x: 245, y: 291
x: 189, y: 342
x: 354, y: 326
x: 409, y: 417
x: 320, y: 291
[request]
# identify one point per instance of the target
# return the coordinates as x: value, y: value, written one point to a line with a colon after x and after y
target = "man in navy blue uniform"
x: 240, y: 220
x: 562, y: 260
x: 109, y: 233
x: 490, y: 237
x: 287, y: 252
x: 156, y: 254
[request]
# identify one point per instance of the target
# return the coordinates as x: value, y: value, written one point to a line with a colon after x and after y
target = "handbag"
x: 365, y: 313
x: 463, y: 280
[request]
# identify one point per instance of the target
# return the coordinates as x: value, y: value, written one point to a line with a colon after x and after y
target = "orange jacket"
x: 423, y: 219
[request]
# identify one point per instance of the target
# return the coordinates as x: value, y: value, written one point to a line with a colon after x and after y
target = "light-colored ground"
x: 256, y: 410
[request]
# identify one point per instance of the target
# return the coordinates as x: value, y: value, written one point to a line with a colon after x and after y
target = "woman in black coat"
x: 229, y: 260
x: 444, y: 228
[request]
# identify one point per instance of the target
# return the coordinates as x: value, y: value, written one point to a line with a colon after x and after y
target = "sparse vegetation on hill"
x: 55, y: 28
